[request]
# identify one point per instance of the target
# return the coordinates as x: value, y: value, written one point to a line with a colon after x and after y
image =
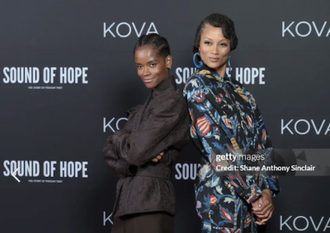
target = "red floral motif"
x: 263, y: 135
x: 249, y: 120
x: 229, y: 147
x: 192, y: 116
x: 238, y: 230
x: 250, y: 97
x: 227, y: 215
x: 247, y: 221
x: 227, y: 94
x: 192, y: 131
x: 213, y: 200
x: 203, y: 125
x: 226, y: 121
x: 218, y: 100
x: 200, y: 97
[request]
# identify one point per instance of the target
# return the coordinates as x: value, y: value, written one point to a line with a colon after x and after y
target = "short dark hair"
x: 156, y: 41
x: 217, y: 20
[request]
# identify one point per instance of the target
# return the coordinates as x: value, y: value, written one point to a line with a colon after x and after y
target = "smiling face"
x: 214, y: 48
x: 151, y: 67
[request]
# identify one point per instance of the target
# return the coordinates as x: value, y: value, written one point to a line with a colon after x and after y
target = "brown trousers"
x: 159, y: 222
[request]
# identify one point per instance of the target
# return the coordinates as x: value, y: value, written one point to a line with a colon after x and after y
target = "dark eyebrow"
x: 225, y: 39
x: 153, y: 60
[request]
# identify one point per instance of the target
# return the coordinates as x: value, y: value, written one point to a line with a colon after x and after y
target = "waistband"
x: 162, y: 172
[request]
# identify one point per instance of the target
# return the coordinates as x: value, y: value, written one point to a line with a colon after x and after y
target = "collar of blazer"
x: 167, y: 85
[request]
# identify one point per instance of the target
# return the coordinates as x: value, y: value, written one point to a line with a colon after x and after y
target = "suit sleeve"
x: 140, y: 146
x: 121, y: 167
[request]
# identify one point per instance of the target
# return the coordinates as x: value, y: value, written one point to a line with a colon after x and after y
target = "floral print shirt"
x: 225, y: 118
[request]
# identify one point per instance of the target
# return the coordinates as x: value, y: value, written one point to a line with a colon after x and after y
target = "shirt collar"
x: 213, y: 73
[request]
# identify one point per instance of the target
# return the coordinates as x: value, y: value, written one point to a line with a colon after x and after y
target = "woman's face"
x: 214, y: 48
x: 151, y: 67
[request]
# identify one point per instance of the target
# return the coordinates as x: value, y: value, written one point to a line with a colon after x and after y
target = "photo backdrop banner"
x: 68, y: 78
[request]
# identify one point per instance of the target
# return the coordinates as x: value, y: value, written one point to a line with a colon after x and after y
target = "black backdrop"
x: 68, y: 78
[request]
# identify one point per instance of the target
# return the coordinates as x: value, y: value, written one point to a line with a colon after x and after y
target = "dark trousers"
x: 144, y: 223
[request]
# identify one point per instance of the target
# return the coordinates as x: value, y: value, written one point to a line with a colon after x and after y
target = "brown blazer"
x: 160, y: 124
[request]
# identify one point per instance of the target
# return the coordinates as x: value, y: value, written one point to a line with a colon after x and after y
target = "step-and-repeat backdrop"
x: 67, y: 78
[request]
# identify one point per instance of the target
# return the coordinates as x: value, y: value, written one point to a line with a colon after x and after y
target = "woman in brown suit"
x: 143, y: 151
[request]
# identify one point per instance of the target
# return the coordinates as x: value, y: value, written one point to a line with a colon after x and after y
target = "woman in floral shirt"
x: 225, y: 118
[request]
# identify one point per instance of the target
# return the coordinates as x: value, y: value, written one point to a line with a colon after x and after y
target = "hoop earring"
x: 200, y: 64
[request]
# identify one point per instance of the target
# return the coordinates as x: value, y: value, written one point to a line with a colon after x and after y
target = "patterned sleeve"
x: 212, y: 129
x: 268, y: 179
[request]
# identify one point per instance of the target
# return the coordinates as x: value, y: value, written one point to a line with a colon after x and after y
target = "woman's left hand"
x: 263, y: 207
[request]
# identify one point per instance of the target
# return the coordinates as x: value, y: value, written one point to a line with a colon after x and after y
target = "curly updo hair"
x: 217, y: 20
x: 156, y: 42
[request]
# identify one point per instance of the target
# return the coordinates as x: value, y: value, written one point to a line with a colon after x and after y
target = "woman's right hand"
x: 158, y: 157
